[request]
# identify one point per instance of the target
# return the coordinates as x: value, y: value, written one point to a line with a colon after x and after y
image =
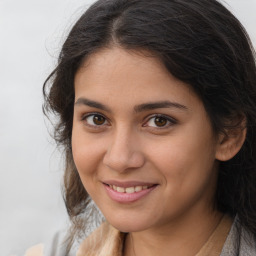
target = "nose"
x: 123, y: 152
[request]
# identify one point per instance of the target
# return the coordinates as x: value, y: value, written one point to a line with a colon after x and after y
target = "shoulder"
x: 37, y: 250
x: 55, y: 245
x: 105, y: 240
x: 239, y: 241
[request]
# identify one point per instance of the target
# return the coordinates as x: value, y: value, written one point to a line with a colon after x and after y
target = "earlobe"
x: 231, y: 142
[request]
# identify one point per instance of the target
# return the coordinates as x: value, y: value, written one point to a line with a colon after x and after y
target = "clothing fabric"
x: 239, y: 242
x: 108, y: 241
x: 228, y: 239
x: 56, y: 245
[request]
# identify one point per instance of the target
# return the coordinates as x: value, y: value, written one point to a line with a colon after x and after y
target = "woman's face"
x: 142, y: 142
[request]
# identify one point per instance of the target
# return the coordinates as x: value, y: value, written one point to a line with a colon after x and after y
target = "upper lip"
x: 127, y: 184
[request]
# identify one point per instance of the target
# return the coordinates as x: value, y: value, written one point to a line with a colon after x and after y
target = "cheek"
x: 188, y: 174
x: 86, y: 153
x: 184, y: 160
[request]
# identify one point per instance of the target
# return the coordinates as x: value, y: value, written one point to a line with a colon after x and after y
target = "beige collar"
x: 104, y: 241
x: 214, y: 244
x: 108, y: 241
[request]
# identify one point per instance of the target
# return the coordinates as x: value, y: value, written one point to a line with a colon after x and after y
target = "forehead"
x: 121, y: 75
x: 115, y: 63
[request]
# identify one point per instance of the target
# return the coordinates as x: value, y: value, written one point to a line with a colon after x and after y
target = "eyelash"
x: 168, y: 121
x: 97, y: 126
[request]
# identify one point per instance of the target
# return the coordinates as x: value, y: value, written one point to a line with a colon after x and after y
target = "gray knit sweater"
x: 239, y: 242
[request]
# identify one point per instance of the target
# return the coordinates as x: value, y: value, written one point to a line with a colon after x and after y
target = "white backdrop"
x: 31, y: 33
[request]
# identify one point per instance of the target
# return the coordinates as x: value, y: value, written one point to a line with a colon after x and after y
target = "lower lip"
x: 127, y: 197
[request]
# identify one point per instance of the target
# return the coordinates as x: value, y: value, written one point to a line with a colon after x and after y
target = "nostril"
x: 121, y: 159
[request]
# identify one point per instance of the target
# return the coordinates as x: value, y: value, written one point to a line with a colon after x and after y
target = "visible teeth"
x: 120, y: 189
x: 130, y: 190
x: 138, y: 188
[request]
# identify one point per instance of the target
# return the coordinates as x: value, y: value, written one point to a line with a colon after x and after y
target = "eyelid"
x: 171, y: 120
x: 84, y: 116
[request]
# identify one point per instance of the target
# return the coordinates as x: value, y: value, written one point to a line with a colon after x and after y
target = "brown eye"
x: 160, y: 121
x: 98, y: 120
x: 95, y: 120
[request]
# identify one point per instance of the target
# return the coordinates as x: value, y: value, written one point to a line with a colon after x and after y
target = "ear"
x: 230, y: 142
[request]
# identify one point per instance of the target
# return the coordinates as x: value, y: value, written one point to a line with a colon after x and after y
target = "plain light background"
x: 31, y: 34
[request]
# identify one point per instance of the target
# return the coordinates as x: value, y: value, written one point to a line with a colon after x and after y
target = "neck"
x: 183, y: 237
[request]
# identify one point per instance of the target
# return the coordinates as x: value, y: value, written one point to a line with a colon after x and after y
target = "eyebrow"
x: 138, y: 108
x: 92, y: 103
x: 159, y: 104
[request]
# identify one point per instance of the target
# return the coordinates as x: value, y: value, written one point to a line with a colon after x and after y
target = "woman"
x: 156, y: 102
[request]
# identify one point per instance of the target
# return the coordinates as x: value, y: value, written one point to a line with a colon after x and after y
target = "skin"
x: 128, y: 144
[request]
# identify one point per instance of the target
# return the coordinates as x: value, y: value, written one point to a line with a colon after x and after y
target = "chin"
x: 128, y: 225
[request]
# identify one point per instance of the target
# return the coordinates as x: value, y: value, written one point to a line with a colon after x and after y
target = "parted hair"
x: 201, y: 43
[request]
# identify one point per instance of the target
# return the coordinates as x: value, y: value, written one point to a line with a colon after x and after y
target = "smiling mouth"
x: 129, y: 190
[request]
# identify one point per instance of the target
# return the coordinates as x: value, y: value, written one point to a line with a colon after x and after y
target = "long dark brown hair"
x: 201, y: 43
